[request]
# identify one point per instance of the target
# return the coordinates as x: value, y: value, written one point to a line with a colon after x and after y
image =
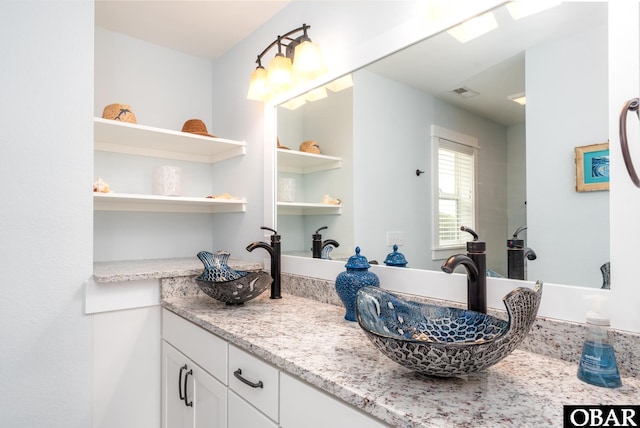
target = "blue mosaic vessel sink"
x: 237, y: 291
x: 227, y: 285
x: 444, y: 341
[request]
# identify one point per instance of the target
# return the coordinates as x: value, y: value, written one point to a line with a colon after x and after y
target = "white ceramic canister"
x: 286, y: 189
x: 167, y: 180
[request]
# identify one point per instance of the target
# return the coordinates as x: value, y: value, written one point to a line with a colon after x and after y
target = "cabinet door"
x: 209, y: 399
x: 175, y: 414
x: 243, y: 415
x: 191, y: 396
x: 302, y: 405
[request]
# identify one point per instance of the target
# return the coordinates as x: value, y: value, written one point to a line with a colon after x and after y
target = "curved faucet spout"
x: 262, y: 245
x: 475, y: 264
x: 461, y: 259
x: 330, y: 242
x: 530, y: 254
x: 274, y: 253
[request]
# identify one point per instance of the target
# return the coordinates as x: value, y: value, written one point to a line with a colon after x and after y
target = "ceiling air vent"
x: 465, y: 92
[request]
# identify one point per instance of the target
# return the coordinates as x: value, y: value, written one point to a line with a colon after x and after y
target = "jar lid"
x: 395, y: 258
x: 357, y: 261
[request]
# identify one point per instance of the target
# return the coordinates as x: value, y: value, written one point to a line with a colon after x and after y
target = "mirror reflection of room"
x: 382, y: 130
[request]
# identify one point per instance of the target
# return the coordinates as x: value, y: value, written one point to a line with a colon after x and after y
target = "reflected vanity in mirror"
x: 383, y: 140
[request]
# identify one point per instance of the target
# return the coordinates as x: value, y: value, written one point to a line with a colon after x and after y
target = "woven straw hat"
x: 196, y: 126
x: 121, y: 112
x: 310, y: 147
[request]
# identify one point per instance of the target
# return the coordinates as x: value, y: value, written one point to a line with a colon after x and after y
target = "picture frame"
x: 592, y: 167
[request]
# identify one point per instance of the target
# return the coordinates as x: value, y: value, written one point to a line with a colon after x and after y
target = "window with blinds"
x: 456, y: 192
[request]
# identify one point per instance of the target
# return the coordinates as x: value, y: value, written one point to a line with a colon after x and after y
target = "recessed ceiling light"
x: 519, y: 98
x: 474, y: 27
x: 522, y: 8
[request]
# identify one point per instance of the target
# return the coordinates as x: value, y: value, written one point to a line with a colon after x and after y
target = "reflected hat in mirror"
x: 310, y: 147
x: 196, y: 126
x: 121, y: 112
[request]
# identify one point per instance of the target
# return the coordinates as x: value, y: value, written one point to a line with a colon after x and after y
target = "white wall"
x: 46, y: 108
x: 164, y: 89
x: 517, y: 179
x: 393, y: 134
x: 568, y: 230
x: 333, y: 27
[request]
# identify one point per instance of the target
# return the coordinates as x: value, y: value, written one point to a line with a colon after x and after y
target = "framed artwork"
x: 592, y: 167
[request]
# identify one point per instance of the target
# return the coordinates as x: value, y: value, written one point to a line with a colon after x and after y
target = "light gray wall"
x: 392, y: 128
x: 339, y: 35
x: 46, y: 87
x: 164, y: 89
x: 566, y: 107
x: 517, y: 179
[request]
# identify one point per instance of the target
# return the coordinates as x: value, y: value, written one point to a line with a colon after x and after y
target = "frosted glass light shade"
x: 316, y: 94
x: 258, y: 90
x: 307, y: 62
x: 279, y: 77
x: 341, y: 83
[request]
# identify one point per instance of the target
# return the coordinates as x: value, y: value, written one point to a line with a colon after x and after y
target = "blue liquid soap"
x: 598, y: 361
x: 598, y: 365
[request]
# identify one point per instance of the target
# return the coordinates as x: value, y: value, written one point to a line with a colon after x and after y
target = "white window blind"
x: 456, y: 192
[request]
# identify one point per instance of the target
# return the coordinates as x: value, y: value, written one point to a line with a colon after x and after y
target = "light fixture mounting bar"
x: 293, y: 42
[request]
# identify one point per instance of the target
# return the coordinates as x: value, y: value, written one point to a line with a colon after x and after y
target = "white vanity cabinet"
x: 229, y: 387
x: 255, y: 382
x: 302, y: 405
x: 191, y: 396
x: 194, y: 362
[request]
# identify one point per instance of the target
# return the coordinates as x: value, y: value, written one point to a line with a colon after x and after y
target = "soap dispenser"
x: 598, y: 364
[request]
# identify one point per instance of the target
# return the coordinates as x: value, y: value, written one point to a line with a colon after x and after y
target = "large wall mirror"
x: 379, y: 142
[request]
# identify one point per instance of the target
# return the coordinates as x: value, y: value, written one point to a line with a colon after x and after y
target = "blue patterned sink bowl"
x: 235, y: 292
x: 444, y: 341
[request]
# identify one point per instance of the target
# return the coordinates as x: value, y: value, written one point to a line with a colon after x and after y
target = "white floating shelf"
x: 305, y: 163
x: 176, y: 204
x: 135, y: 139
x: 301, y: 208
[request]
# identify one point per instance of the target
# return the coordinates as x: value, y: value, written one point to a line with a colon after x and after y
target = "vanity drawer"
x: 201, y: 346
x: 264, y: 389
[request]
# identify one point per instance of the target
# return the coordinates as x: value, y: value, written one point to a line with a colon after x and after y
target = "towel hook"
x: 631, y: 105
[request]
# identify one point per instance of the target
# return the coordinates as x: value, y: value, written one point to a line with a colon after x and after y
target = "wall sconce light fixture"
x: 300, y: 62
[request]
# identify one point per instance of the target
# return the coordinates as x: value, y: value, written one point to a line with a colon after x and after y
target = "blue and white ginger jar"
x: 354, y: 278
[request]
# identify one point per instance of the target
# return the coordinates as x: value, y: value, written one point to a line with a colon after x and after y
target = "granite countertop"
x: 133, y: 270
x: 312, y: 340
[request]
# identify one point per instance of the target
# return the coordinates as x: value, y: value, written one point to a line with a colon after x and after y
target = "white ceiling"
x: 203, y: 28
x: 493, y: 64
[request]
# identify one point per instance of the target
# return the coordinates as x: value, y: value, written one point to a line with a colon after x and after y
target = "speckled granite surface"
x: 133, y: 270
x: 548, y: 337
x: 312, y: 340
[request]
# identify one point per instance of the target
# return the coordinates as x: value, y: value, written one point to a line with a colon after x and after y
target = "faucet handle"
x: 474, y: 246
x: 471, y: 231
x: 322, y: 228
x: 269, y: 229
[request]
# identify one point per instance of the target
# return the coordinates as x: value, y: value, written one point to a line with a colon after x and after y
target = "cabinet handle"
x: 238, y: 374
x: 180, y: 383
x: 186, y: 402
x: 631, y: 105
